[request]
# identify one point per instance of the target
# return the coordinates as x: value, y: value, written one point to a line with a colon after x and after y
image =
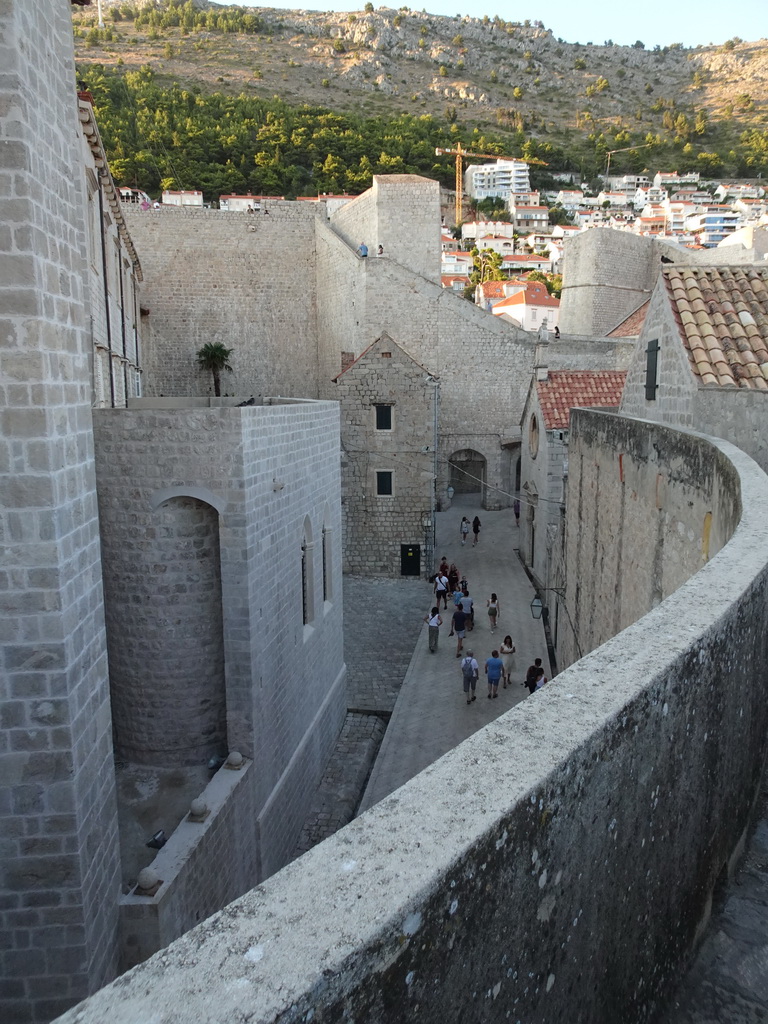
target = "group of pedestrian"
x: 498, y: 668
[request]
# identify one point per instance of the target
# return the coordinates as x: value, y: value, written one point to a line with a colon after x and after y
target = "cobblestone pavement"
x: 382, y: 623
x: 728, y: 982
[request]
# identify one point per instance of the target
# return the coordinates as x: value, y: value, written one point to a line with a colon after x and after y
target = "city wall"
x: 244, y: 280
x: 566, y: 855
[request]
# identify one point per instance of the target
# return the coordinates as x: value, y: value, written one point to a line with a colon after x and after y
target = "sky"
x: 655, y: 22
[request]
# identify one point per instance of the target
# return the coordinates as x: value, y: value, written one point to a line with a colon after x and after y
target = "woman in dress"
x: 506, y: 651
x: 476, y: 524
x: 493, y: 611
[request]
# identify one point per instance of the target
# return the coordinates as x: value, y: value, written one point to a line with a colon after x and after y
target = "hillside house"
x: 530, y: 308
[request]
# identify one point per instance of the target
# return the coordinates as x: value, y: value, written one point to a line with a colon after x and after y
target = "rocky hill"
x: 502, y: 77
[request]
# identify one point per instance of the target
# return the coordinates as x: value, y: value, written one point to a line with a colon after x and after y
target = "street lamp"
x: 536, y: 607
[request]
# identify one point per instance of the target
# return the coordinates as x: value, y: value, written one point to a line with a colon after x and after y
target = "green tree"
x: 214, y: 357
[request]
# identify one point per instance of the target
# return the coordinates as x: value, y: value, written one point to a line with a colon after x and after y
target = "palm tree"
x: 214, y: 357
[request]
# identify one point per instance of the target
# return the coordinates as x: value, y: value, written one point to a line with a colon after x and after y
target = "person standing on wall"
x: 434, y: 622
x: 470, y: 671
x: 464, y: 530
x: 493, y: 669
x: 476, y: 524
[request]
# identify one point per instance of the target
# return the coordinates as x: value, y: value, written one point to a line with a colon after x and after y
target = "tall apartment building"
x: 499, y: 180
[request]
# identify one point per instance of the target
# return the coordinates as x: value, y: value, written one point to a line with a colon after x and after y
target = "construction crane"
x: 459, y: 152
x: 625, y: 149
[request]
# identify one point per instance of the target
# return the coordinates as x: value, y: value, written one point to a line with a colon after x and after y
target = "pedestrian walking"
x: 441, y: 590
x: 453, y: 577
x: 532, y: 675
x: 540, y: 679
x: 516, y: 510
x: 468, y: 607
x: 459, y: 627
x: 506, y: 651
x: 493, y: 611
x: 470, y: 671
x: 362, y: 250
x: 443, y: 566
x: 464, y: 530
x: 493, y: 669
x: 434, y: 622
x: 476, y: 524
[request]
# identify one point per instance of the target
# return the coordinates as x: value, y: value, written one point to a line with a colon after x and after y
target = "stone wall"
x: 269, y: 477
x: 243, y: 280
x: 203, y: 866
x: 566, y: 854
x: 58, y: 822
x: 647, y: 507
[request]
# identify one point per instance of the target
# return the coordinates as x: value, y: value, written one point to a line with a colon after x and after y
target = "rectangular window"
x: 651, y: 370
x: 383, y: 417
x: 384, y: 482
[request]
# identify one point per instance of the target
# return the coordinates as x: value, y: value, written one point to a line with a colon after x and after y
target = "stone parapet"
x: 562, y: 857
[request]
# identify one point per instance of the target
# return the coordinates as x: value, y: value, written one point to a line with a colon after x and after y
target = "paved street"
x: 431, y: 715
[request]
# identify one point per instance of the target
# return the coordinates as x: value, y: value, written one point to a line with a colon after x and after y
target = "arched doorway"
x: 468, y: 472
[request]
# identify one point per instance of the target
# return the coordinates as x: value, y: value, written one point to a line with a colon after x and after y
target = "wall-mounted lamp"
x: 536, y: 607
x: 450, y: 492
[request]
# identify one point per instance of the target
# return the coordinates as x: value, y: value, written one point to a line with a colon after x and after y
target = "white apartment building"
x: 499, y: 180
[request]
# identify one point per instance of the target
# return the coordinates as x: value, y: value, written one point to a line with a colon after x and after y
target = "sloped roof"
x: 493, y: 289
x: 631, y: 325
x: 568, y: 389
x: 535, y: 294
x: 722, y: 316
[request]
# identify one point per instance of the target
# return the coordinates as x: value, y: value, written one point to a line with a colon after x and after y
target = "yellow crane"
x: 459, y: 152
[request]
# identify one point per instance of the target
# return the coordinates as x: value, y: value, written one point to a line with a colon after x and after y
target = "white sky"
x: 653, y: 21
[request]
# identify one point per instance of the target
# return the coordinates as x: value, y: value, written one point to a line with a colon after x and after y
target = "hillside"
x: 704, y: 109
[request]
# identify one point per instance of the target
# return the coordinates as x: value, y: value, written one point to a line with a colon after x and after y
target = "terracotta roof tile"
x: 722, y: 316
x: 567, y: 389
x: 631, y: 326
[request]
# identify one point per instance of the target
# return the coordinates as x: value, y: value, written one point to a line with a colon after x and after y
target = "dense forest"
x: 162, y: 130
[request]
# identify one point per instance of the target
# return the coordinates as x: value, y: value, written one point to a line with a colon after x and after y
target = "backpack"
x: 466, y: 669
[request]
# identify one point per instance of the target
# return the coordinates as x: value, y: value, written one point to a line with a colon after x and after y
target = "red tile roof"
x: 631, y: 325
x: 535, y: 294
x: 568, y: 389
x: 722, y: 316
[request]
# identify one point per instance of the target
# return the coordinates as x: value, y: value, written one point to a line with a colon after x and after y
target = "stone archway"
x: 468, y: 472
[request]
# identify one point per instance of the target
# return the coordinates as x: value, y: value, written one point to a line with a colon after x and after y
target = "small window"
x: 383, y: 417
x: 384, y: 482
x: 651, y: 370
x: 533, y: 437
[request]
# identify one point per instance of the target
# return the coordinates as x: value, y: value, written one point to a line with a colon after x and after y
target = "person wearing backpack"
x: 469, y: 673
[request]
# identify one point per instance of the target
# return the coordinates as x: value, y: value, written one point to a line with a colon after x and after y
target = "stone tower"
x: 60, y: 863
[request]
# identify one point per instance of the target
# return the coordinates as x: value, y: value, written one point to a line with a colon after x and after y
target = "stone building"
x: 171, y: 573
x: 702, y: 355
x: 389, y: 461
x: 112, y: 277
x: 295, y: 320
